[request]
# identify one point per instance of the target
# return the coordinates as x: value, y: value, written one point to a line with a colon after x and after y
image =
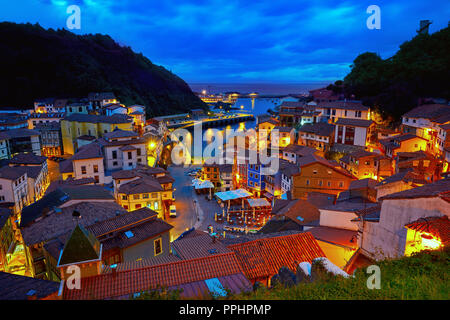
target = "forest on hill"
x: 38, y: 63
x: 420, y: 69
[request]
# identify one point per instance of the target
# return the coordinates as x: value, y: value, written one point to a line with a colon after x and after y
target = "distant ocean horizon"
x: 261, y: 88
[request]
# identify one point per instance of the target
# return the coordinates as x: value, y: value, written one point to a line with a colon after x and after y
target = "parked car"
x: 172, y: 211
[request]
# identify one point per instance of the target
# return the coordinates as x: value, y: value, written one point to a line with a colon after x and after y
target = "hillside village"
x: 89, y: 182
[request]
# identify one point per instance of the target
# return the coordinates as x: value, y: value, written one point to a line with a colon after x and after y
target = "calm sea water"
x: 261, y: 88
x: 261, y: 104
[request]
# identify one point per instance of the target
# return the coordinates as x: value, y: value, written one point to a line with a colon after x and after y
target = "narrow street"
x: 184, y: 201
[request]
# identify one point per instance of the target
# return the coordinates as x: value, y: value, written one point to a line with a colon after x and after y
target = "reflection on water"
x: 209, y: 136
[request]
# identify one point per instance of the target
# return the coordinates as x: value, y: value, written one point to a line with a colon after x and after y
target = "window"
x: 124, y: 197
x: 136, y: 197
x: 138, y: 151
x: 115, y: 163
x: 114, y: 154
x: 158, y: 246
x: 329, y: 183
x: 130, y: 164
x: 137, y: 206
x: 320, y: 182
x: 156, y: 205
x: 97, y: 179
x: 83, y: 169
x: 129, y: 155
x: 145, y: 196
x: 125, y: 207
x: 154, y: 195
x: 95, y: 168
x: 341, y: 184
x: 307, y: 182
x: 129, y: 234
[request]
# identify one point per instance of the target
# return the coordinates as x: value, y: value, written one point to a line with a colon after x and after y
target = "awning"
x: 233, y: 194
x: 202, y: 184
x: 258, y: 202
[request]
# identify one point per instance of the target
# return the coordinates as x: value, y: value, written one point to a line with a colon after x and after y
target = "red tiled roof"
x: 201, y: 245
x: 124, y: 283
x: 437, y: 226
x: 264, y: 257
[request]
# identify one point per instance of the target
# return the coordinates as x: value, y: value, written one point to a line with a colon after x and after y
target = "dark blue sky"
x: 236, y: 41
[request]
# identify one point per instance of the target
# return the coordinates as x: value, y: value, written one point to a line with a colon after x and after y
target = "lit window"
x: 158, y: 246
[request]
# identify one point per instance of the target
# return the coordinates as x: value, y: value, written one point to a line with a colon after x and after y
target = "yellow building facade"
x: 77, y: 125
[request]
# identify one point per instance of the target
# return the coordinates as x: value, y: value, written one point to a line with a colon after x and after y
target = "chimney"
x: 424, y: 25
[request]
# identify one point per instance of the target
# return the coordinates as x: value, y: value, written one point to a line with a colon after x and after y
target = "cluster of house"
x: 386, y: 194
x: 382, y: 193
x: 107, y: 169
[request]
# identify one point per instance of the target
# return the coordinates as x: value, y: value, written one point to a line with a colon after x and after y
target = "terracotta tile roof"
x: 134, y: 141
x: 312, y: 159
x: 300, y: 211
x: 125, y: 283
x: 320, y: 199
x: 33, y: 171
x: 55, y: 224
x: 19, y: 133
x: 293, y: 104
x: 69, y: 182
x: 428, y: 111
x: 12, y: 173
x: 139, y: 264
x: 28, y: 158
x: 299, y: 150
x: 92, y: 118
x: 86, y: 137
x: 343, y: 104
x: 269, y: 120
x: 89, y: 151
x: 66, y: 166
x: 200, y: 245
x: 119, y: 222
x: 283, y: 129
x: 117, y: 133
x: 426, y: 191
x: 363, y: 183
x: 318, y: 128
x: 141, y: 185
x: 165, y: 179
x: 19, y: 287
x: 141, y: 232
x: 127, y: 148
x: 354, y: 122
x: 341, y: 237
x: 264, y: 257
x: 437, y: 226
